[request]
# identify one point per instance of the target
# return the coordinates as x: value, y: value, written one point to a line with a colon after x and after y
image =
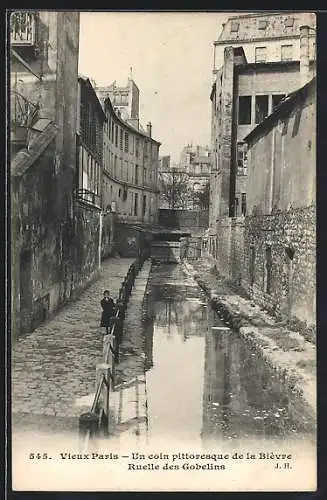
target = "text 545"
x: 38, y: 456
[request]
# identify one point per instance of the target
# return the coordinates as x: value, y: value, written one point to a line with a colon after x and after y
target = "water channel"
x: 205, y: 389
x: 204, y: 383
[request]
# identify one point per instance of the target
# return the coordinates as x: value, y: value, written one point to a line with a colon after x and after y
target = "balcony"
x: 87, y: 197
x: 24, y: 114
x: 23, y: 29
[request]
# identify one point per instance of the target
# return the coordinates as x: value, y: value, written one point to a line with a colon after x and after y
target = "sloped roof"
x: 87, y: 82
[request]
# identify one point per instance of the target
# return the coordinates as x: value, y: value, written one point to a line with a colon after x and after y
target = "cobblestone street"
x: 55, y: 365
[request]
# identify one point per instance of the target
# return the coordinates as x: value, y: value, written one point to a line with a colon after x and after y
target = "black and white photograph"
x: 162, y: 177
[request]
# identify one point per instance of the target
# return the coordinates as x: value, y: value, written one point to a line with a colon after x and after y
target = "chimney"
x: 304, y: 55
x: 149, y: 129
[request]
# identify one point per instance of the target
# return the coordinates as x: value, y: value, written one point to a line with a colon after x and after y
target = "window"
x: 244, y: 110
x: 136, y: 174
x: 276, y: 100
x: 289, y: 22
x: 136, y: 196
x: 112, y: 130
x: 137, y: 147
x: 268, y: 269
x: 236, y: 207
x: 243, y: 204
x: 234, y: 27
x: 115, y: 166
x: 260, y: 54
x: 242, y: 157
x: 116, y: 136
x: 131, y: 206
x: 286, y: 52
x: 261, y: 107
x: 144, y: 205
x: 121, y: 138
x: 119, y: 193
x: 262, y: 24
x: 126, y: 142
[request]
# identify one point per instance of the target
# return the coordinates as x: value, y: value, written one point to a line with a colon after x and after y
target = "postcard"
x: 163, y: 217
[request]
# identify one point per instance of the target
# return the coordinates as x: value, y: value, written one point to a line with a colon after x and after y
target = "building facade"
x: 164, y: 164
x: 266, y: 36
x: 124, y: 99
x: 196, y: 162
x: 280, y: 227
x: 43, y: 82
x: 130, y: 175
x: 247, y: 91
x: 90, y: 125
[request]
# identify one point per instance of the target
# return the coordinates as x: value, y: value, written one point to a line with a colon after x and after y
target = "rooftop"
x: 87, y: 82
x: 264, y: 26
x: 140, y: 130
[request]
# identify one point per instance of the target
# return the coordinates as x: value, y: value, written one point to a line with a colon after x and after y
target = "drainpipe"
x: 304, y: 55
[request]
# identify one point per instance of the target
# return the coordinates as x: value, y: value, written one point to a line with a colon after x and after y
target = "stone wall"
x: 131, y: 240
x: 54, y: 255
x: 166, y: 251
x: 194, y: 221
x: 291, y: 236
x: 227, y: 248
x: 273, y: 259
x: 108, y: 235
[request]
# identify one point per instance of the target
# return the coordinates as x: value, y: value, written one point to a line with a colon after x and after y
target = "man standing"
x: 108, y: 310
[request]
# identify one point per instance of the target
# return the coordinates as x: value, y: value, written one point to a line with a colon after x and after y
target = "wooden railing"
x: 98, y: 418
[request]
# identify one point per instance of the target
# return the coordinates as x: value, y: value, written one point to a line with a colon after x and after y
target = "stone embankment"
x: 287, y: 352
x: 129, y: 399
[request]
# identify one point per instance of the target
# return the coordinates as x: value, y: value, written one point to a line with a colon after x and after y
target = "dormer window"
x: 263, y: 24
x: 289, y: 22
x: 234, y: 27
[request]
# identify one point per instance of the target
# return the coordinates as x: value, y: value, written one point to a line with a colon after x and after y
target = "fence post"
x: 88, y: 422
x: 103, y: 370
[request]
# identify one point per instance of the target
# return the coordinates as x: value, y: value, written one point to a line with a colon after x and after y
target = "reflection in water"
x: 204, y: 382
x: 242, y: 397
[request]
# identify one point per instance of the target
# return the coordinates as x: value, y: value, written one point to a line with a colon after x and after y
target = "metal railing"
x: 23, y: 28
x: 97, y: 418
x: 24, y: 112
x: 85, y: 195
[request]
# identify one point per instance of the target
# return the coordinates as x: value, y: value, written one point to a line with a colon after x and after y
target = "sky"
x: 171, y: 56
